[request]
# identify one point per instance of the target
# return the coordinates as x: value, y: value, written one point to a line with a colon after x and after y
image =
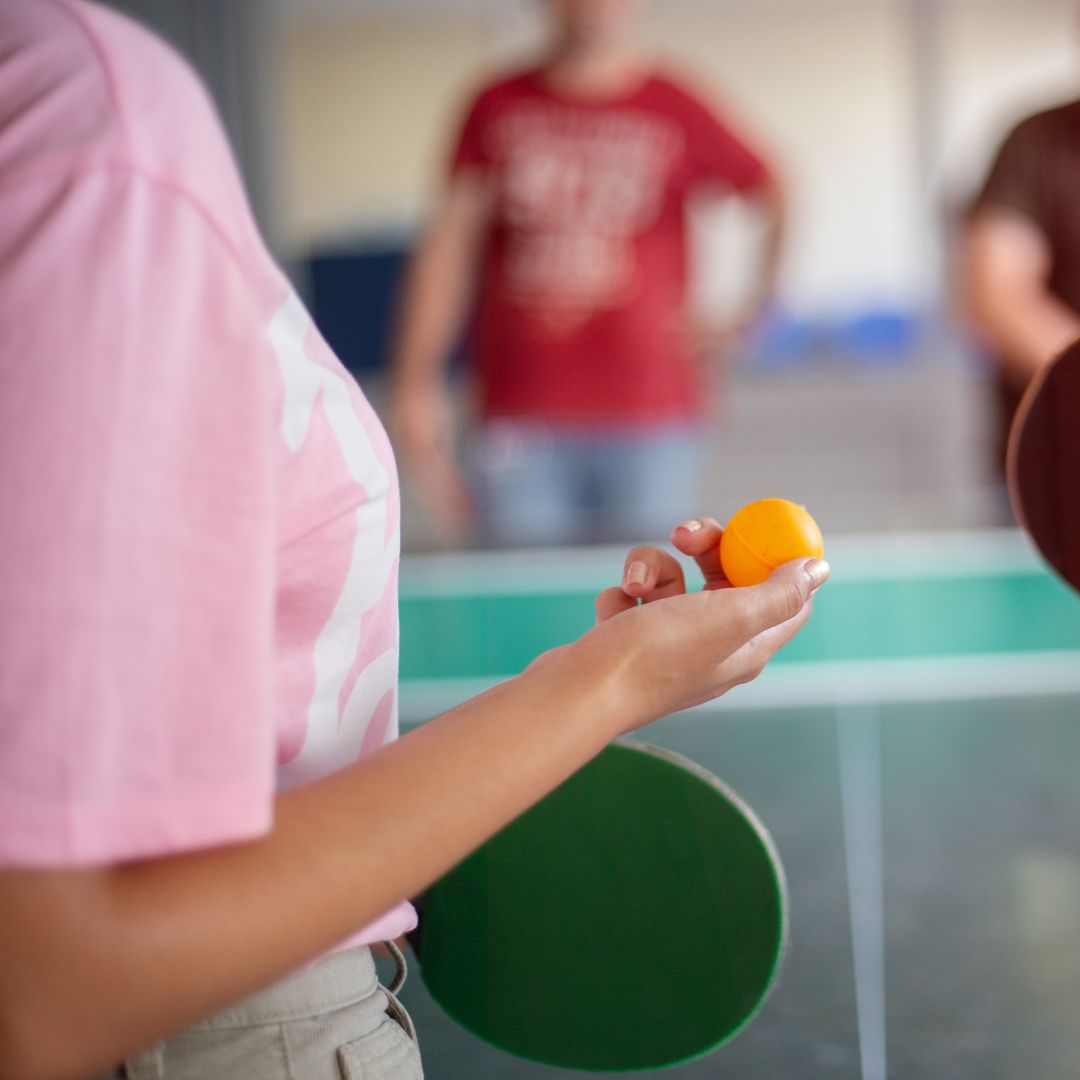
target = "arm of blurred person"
x: 721, y: 157
x: 1005, y: 269
x: 439, y: 288
x: 717, y: 340
x: 102, y: 960
x: 772, y: 202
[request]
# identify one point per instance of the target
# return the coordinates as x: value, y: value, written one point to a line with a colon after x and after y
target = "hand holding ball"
x: 764, y: 535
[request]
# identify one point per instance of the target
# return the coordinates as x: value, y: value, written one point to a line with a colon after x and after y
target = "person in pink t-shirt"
x: 565, y: 212
x: 203, y: 802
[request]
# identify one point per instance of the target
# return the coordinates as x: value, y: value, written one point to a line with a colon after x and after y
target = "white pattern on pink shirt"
x: 201, y: 511
x: 332, y: 735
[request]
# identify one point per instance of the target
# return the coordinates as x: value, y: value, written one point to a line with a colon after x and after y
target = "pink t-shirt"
x: 199, y: 514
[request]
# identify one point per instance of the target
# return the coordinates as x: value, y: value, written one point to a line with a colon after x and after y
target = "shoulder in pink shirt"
x: 199, y: 540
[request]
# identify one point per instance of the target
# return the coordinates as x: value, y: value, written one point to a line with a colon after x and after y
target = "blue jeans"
x: 538, y: 484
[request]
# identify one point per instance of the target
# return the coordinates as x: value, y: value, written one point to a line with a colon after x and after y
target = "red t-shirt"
x: 584, y: 280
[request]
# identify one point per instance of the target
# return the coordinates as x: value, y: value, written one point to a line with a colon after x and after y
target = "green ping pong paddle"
x: 635, y: 918
x: 1044, y: 464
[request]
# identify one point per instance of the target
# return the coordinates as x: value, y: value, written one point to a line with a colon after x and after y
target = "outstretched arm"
x: 99, y: 962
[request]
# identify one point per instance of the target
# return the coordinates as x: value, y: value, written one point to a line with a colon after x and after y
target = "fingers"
x: 648, y: 574
x: 611, y: 602
x: 764, y: 618
x: 751, y: 658
x: 779, y: 599
x: 761, y: 649
x: 700, y: 538
x: 651, y: 574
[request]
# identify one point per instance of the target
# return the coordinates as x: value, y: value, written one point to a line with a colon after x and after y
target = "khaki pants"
x: 331, y: 1022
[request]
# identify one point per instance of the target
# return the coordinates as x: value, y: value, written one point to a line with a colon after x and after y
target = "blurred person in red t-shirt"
x: 564, y: 216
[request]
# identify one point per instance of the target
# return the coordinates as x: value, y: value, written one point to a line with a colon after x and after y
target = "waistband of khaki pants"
x: 341, y: 979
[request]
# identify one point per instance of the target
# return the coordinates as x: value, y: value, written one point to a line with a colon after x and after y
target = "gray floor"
x: 943, y: 840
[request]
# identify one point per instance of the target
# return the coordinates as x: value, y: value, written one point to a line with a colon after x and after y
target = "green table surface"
x: 914, y: 754
x: 945, y: 600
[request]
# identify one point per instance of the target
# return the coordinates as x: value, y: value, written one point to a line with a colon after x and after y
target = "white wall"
x: 823, y: 85
x: 1003, y: 61
x: 373, y: 92
x: 368, y: 107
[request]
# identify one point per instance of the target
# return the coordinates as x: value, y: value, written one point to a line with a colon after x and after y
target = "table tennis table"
x: 913, y: 754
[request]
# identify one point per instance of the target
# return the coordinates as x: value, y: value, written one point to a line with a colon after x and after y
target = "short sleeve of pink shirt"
x: 199, y: 525
x: 137, y: 532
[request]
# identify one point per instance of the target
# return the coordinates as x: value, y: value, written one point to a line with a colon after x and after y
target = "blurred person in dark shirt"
x: 1021, y: 254
x: 564, y: 217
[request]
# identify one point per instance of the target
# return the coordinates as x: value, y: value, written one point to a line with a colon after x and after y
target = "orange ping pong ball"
x: 765, y: 534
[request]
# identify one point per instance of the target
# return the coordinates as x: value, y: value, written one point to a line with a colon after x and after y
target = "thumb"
x: 782, y: 596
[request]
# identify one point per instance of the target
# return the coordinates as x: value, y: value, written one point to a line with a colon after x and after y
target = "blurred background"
x: 913, y: 751
x: 859, y: 395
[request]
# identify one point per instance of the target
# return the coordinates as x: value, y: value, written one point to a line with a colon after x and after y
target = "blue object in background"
x: 353, y: 300
x: 354, y: 297
x: 781, y: 342
x: 877, y: 338
x: 874, y: 339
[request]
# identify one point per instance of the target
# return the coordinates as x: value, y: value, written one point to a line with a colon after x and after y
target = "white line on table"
x: 832, y: 683
x: 859, y: 743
